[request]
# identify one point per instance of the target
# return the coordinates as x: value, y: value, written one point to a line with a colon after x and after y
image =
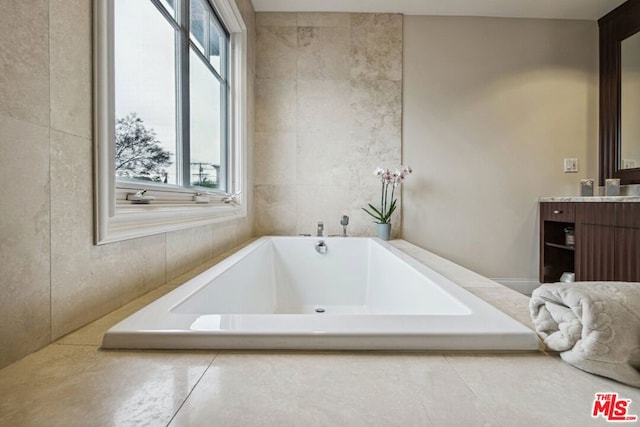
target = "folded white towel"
x: 596, y: 326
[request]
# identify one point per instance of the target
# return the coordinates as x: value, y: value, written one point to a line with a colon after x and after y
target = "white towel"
x: 595, y: 326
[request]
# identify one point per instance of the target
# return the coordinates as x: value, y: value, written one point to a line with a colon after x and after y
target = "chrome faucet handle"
x: 320, y: 229
x: 344, y: 222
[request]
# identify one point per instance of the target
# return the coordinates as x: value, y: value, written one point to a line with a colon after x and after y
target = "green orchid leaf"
x: 376, y: 210
x: 376, y: 217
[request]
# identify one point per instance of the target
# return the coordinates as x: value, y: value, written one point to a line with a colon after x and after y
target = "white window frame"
x: 173, y: 208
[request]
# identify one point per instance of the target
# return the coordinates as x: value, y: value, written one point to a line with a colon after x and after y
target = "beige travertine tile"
x: 89, y: 281
x: 534, y: 389
x: 71, y: 195
x: 377, y: 105
x: 375, y: 146
x: 73, y: 300
x: 348, y: 108
x: 321, y: 203
x: 92, y: 333
x: 65, y: 385
x: 508, y: 301
x: 275, y: 158
x: 324, y: 19
x: 458, y: 274
x: 323, y: 53
x: 224, y: 236
x: 376, y: 46
x: 24, y: 238
x: 70, y: 50
x: 245, y: 229
x: 24, y: 55
x: 323, y: 105
x: 133, y: 267
x: 187, y: 249
x: 276, y: 52
x: 275, y: 105
x: 324, y: 157
x: 276, y: 19
x: 332, y: 389
x: 100, y: 279
x: 276, y: 209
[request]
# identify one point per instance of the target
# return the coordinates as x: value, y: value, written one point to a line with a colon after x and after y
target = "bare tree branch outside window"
x: 138, y: 152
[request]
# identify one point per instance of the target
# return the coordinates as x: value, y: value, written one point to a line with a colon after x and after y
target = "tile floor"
x: 72, y: 382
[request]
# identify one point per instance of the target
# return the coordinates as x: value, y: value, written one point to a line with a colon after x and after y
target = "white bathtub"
x: 280, y: 293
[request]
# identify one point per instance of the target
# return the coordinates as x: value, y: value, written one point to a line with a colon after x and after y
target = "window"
x: 170, y: 122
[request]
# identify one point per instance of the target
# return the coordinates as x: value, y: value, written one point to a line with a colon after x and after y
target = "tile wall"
x: 328, y: 111
x: 52, y: 278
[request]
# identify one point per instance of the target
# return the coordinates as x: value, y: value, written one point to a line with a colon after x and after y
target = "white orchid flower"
x: 388, y: 203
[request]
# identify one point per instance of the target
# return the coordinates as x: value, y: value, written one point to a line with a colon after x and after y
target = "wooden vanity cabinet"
x: 555, y: 256
x: 607, y: 241
x: 595, y: 249
x: 627, y: 242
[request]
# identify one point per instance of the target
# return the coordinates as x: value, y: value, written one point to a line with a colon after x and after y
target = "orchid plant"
x: 388, y: 179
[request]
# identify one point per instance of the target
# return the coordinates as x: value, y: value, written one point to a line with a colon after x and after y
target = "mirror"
x: 630, y: 102
x: 620, y: 94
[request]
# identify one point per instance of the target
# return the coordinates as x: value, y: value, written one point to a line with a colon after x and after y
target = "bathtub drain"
x: 319, y: 310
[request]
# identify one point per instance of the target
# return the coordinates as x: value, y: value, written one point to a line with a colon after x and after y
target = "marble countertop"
x: 590, y: 199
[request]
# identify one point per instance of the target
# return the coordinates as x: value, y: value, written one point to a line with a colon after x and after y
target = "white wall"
x: 490, y: 109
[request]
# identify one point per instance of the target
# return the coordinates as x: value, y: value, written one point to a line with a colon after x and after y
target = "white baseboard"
x: 524, y: 286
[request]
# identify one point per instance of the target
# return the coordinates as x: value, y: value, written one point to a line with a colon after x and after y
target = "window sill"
x: 133, y: 221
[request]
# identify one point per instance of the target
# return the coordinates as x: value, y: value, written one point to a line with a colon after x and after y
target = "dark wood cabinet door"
x: 600, y: 213
x: 627, y: 254
x: 628, y: 215
x: 595, y: 252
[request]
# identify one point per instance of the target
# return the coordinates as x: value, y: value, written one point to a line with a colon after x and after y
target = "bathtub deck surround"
x: 176, y: 388
x: 355, y: 293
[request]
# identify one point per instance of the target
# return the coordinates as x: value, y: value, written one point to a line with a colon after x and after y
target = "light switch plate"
x: 571, y: 165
